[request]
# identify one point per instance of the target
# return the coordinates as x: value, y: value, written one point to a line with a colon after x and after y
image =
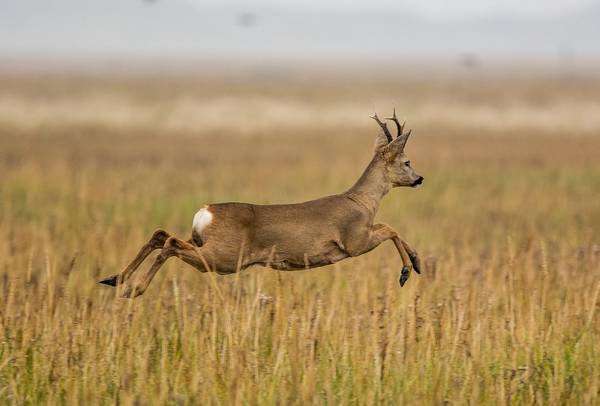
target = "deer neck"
x: 371, y: 186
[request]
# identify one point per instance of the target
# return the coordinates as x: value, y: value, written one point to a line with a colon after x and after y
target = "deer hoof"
x: 110, y: 281
x: 404, y: 275
x: 416, y: 262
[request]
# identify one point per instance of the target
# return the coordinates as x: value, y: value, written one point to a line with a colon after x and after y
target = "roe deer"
x: 229, y: 237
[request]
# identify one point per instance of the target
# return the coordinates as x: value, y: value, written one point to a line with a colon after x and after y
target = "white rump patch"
x: 202, y: 219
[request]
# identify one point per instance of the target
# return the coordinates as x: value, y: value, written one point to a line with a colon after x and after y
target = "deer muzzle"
x: 418, y: 182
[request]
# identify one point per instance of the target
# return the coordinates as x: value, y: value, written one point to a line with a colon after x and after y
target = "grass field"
x: 507, y: 310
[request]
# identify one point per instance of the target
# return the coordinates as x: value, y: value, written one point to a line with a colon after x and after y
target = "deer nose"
x: 419, y: 180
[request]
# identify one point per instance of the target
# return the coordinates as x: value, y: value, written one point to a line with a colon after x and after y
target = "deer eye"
x: 407, y: 163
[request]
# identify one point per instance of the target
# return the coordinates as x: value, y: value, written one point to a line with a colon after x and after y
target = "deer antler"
x: 383, y: 127
x: 399, y: 126
x: 401, y: 132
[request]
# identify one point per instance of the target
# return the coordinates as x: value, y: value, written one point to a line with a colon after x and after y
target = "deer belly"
x: 311, y: 259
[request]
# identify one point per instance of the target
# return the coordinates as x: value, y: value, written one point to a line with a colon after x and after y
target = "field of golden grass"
x: 507, y: 309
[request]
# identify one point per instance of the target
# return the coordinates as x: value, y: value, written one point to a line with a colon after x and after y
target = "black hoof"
x: 416, y: 264
x: 110, y: 281
x: 404, y: 276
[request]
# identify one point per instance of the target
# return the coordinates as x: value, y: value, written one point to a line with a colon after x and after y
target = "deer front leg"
x: 412, y: 254
x: 158, y: 239
x: 382, y: 232
x: 408, y: 266
x: 414, y: 257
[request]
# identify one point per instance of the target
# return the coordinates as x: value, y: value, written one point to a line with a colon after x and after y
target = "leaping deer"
x: 229, y: 237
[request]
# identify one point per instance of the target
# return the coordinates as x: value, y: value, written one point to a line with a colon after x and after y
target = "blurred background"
x: 560, y: 36
x: 433, y: 46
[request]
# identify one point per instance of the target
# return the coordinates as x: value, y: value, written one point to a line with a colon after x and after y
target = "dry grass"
x: 507, y: 310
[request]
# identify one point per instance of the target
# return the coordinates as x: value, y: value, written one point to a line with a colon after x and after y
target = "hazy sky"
x: 308, y: 28
x: 429, y: 8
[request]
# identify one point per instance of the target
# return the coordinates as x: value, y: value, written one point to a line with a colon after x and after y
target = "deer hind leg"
x: 158, y: 239
x: 172, y: 247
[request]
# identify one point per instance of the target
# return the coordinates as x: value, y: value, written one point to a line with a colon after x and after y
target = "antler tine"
x: 399, y: 126
x: 383, y: 127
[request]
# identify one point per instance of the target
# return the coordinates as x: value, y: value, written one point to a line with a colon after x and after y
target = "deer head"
x: 391, y: 150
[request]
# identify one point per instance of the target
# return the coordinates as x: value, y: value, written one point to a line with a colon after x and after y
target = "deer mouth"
x: 418, y: 182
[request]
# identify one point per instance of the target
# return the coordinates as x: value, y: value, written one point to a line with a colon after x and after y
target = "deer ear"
x: 381, y: 142
x: 400, y: 142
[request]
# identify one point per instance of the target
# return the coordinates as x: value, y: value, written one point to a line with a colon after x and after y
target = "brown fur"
x: 291, y: 236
